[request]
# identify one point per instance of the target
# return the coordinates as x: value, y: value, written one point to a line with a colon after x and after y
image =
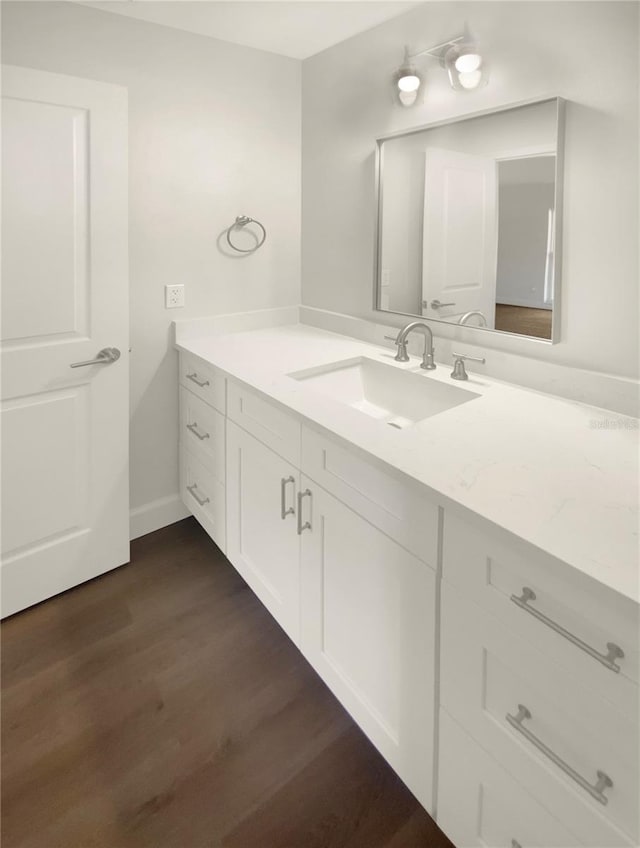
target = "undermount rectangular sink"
x: 398, y: 397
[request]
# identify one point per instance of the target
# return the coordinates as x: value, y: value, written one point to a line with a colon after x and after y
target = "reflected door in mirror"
x: 460, y: 238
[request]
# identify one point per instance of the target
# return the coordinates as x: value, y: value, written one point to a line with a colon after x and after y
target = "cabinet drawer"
x: 397, y: 507
x: 203, y: 495
x: 488, y: 673
x: 203, y: 380
x: 202, y: 432
x: 480, y: 804
x: 495, y: 570
x: 268, y: 422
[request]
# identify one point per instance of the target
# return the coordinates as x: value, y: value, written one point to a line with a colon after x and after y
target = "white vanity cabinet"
x: 501, y: 684
x: 538, y: 673
x: 357, y: 602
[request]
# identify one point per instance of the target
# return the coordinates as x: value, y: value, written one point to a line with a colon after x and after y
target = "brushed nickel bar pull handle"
x: 194, y: 429
x: 595, y: 790
x: 307, y: 524
x: 105, y: 357
x: 192, y: 492
x: 194, y: 379
x: 284, y: 511
x: 614, y: 652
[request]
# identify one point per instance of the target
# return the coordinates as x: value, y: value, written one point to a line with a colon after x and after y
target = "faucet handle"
x: 401, y: 355
x: 459, y: 371
x: 391, y: 338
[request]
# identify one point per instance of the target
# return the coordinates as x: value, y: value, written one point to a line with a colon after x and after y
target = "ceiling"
x: 296, y: 29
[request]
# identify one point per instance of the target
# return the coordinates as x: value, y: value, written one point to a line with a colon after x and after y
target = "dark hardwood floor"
x: 160, y: 705
x: 524, y: 320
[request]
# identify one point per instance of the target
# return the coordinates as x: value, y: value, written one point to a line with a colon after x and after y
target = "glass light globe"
x: 470, y: 80
x: 468, y: 62
x: 408, y: 98
x: 409, y: 82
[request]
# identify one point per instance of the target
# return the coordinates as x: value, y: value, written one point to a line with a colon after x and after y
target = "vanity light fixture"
x: 463, y: 63
x: 460, y: 58
x: 408, y: 82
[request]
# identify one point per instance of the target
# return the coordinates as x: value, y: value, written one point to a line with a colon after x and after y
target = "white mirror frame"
x: 559, y: 181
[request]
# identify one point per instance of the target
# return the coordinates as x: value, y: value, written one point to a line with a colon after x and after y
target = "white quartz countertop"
x: 561, y: 475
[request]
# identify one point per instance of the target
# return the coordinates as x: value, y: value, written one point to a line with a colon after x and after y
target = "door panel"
x: 460, y: 234
x: 261, y: 544
x: 44, y: 491
x: 65, y: 514
x: 45, y: 187
x: 368, y: 628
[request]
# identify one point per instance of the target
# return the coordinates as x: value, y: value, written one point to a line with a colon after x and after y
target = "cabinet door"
x: 368, y: 628
x: 261, y: 544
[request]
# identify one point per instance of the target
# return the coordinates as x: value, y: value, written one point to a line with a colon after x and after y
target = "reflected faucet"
x: 467, y: 315
x: 401, y: 341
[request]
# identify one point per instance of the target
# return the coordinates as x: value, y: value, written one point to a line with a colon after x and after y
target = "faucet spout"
x: 401, y: 341
x: 474, y: 312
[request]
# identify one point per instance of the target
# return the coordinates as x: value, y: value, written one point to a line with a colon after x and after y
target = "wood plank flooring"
x: 524, y: 320
x: 161, y: 706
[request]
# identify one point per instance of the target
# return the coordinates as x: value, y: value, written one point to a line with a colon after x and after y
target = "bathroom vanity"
x: 458, y: 562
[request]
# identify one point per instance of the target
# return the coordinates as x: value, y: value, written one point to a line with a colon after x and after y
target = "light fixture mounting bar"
x: 437, y: 48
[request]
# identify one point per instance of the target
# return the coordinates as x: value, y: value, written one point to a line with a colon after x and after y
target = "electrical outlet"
x: 173, y: 297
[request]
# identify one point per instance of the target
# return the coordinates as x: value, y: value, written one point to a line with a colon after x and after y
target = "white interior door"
x: 460, y: 235
x: 65, y: 472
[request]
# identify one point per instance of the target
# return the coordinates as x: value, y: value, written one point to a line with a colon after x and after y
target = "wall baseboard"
x: 152, y: 516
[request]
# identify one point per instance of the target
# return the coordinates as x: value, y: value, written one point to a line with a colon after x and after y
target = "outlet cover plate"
x: 173, y: 297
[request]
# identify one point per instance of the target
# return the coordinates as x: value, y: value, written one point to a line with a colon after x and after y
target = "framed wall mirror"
x: 469, y: 220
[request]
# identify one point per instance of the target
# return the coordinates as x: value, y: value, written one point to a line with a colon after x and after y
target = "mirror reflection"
x: 468, y: 221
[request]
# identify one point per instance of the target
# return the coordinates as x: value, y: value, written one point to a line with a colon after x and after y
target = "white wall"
x: 523, y: 223
x: 214, y: 131
x: 585, y: 52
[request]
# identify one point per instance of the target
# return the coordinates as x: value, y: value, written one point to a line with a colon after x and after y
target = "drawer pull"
x: 194, y: 429
x: 192, y: 492
x: 194, y: 379
x: 596, y: 791
x: 614, y: 652
x: 307, y: 524
x: 284, y: 511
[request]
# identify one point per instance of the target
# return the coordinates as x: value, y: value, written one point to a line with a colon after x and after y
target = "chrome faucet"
x: 467, y: 315
x: 401, y: 341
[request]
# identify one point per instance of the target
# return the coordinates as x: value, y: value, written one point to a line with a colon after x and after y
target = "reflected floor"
x: 524, y: 320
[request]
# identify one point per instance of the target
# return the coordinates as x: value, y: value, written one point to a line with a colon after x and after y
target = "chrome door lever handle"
x: 105, y: 357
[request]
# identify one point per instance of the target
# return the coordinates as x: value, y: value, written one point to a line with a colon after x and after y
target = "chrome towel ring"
x: 242, y: 221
